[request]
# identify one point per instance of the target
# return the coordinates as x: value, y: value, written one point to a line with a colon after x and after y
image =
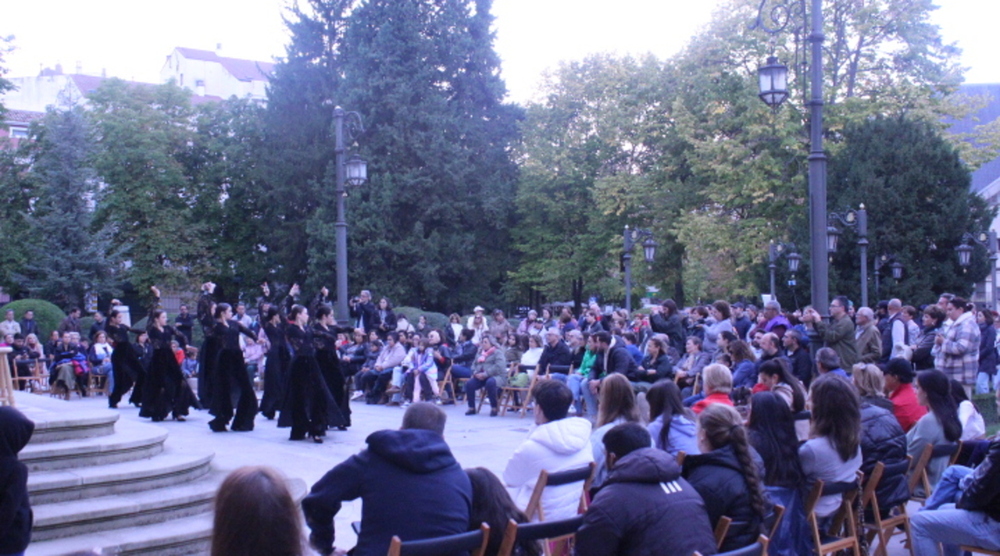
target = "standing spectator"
x: 72, y: 321
x: 867, y: 339
x: 184, y: 323
x: 29, y: 325
x: 363, y: 312
x: 923, y: 354
x: 478, y: 327
x: 477, y: 312
x: 839, y: 333
x: 385, y: 318
x: 97, y: 326
x: 666, y: 320
x: 956, y: 351
x: 636, y: 512
x: 987, y: 352
x: 895, y: 335
x: 558, y: 443
x: 241, y: 315
x: 15, y: 507
x: 9, y: 325
x: 741, y: 324
x: 798, y: 356
x: 721, y: 311
x: 403, y: 324
x: 909, y: 318
x: 454, y: 329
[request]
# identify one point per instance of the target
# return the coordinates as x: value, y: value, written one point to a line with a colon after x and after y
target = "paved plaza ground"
x: 477, y: 441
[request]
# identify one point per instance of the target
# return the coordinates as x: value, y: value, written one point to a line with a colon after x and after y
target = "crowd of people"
x: 716, y: 410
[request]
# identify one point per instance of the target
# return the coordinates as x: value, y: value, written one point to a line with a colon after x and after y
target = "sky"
x: 131, y: 39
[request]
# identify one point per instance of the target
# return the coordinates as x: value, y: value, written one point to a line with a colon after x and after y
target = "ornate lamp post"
x: 774, y: 252
x: 777, y: 20
x: 988, y: 241
x: 632, y: 236
x: 852, y: 219
x: 353, y: 172
x: 895, y: 267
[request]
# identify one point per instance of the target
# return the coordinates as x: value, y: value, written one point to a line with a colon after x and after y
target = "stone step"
x: 131, y: 441
x: 57, y: 420
x: 171, y: 467
x: 115, y: 511
x: 182, y: 536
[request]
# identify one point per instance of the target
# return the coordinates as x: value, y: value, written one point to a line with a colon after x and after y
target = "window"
x: 19, y: 132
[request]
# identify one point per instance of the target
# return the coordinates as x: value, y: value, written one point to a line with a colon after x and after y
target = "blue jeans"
x: 952, y: 527
x: 689, y: 401
x: 460, y: 371
x: 983, y: 381
x: 580, y: 388
x: 948, y: 488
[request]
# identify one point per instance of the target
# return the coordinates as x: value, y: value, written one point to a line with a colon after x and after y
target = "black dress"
x: 275, y: 369
x: 328, y: 358
x: 208, y: 357
x: 230, y: 374
x: 125, y: 365
x: 165, y: 390
x: 308, y: 407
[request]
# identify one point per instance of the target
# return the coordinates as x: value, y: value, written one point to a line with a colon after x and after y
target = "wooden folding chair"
x: 559, y: 533
x: 518, y: 398
x: 473, y: 542
x: 6, y: 384
x: 98, y: 384
x: 977, y: 550
x: 918, y: 475
x: 777, y: 513
x: 681, y: 456
x: 758, y: 548
x: 843, y: 532
x: 721, y: 528
x: 445, y: 385
x: 546, y: 479
x: 876, y: 526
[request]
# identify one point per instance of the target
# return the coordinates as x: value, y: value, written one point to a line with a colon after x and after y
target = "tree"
x: 916, y: 191
x: 69, y: 255
x: 5, y: 84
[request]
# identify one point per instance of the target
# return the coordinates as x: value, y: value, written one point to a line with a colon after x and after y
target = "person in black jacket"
x: 987, y: 352
x: 637, y: 509
x: 612, y: 357
x: 556, y: 353
x: 973, y: 520
x: 882, y: 439
x: 15, y: 508
x: 364, y: 312
x: 409, y: 483
x: 727, y: 476
x: 667, y: 320
x: 656, y: 365
x: 798, y: 356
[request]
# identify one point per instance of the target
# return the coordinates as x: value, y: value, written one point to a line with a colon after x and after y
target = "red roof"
x: 22, y: 117
x: 244, y: 70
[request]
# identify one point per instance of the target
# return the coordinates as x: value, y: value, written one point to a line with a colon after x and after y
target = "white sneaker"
x: 358, y: 395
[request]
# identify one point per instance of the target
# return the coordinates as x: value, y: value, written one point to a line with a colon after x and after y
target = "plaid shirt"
x: 958, y: 356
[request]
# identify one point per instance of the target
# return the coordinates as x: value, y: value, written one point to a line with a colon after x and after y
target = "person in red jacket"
x: 899, y: 377
x: 718, y: 382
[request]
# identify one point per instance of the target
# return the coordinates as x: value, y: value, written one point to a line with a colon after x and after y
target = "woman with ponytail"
x: 727, y: 475
x: 939, y: 425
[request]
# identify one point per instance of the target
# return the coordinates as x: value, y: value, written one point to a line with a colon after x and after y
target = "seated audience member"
x: 488, y: 372
x: 726, y: 474
x: 612, y: 357
x: 409, y: 483
x: 771, y: 431
x: 389, y: 358
x: 631, y: 347
x: 828, y: 362
x: 255, y: 515
x: 556, y: 356
x: 640, y: 507
x: 671, y: 425
x: 882, y: 439
x: 833, y: 454
x: 15, y: 507
x: 584, y: 357
x: 691, y: 365
x: 899, y: 377
x: 869, y: 381
x: 189, y: 368
x: 617, y: 406
x: 798, y: 356
x: 558, y: 443
x: 973, y: 424
x: 655, y: 366
x: 973, y: 520
x: 744, y: 364
x: 463, y: 355
x: 492, y: 505
x: 778, y: 378
x: 940, y: 425
x: 718, y: 382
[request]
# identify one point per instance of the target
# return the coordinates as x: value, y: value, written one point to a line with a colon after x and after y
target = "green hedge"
x: 48, y: 315
x: 435, y: 320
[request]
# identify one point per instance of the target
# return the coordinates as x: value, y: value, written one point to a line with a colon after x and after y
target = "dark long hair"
x: 665, y: 401
x: 723, y: 426
x: 255, y: 515
x: 491, y: 504
x: 779, y: 366
x: 772, y: 433
x: 936, y: 387
x: 836, y: 414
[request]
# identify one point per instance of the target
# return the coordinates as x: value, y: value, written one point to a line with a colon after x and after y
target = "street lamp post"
x: 632, y: 236
x: 353, y: 172
x: 851, y: 219
x: 895, y: 267
x: 774, y: 252
x: 988, y: 241
x: 778, y: 19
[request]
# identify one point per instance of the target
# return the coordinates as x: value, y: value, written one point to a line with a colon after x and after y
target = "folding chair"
x: 445, y: 385
x: 918, y: 475
x: 842, y: 533
x: 518, y: 398
x: 884, y: 528
x: 681, y: 456
x: 546, y: 479
x: 777, y: 512
x: 977, y: 550
x: 560, y: 533
x: 6, y: 384
x: 721, y: 528
x: 473, y: 542
x: 758, y: 548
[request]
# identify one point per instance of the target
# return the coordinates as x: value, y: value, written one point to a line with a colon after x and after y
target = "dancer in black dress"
x: 308, y: 407
x: 125, y: 362
x: 209, y: 354
x: 276, y: 363
x: 325, y: 332
x: 231, y: 372
x: 165, y: 390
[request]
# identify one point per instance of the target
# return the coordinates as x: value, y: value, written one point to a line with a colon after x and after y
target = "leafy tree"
x: 916, y: 191
x: 5, y: 84
x: 69, y: 255
x: 16, y: 194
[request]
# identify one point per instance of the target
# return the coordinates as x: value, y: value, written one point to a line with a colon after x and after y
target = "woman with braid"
x: 727, y: 475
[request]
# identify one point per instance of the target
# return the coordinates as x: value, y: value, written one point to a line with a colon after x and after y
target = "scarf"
x: 484, y: 354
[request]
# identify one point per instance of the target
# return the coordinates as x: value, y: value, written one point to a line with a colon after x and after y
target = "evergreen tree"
x: 69, y: 256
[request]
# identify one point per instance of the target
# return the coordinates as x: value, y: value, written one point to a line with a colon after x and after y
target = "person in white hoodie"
x: 558, y: 443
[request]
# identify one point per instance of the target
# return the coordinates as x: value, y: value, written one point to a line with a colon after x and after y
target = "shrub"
x: 47, y: 315
x: 434, y: 320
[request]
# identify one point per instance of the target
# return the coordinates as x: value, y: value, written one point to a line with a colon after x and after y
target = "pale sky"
x: 131, y: 39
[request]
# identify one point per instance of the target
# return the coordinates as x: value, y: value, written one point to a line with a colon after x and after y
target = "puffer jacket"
x: 718, y: 477
x: 15, y: 508
x: 982, y: 493
x: 882, y: 439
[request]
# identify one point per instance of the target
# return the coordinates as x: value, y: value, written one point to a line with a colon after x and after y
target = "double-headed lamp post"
x: 988, y: 241
x: 852, y: 219
x: 632, y: 236
x: 774, y: 252
x: 350, y: 172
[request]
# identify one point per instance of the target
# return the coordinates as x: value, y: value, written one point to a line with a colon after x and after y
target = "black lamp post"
x: 774, y: 252
x: 778, y: 17
x: 988, y: 241
x: 852, y: 219
x: 895, y: 267
x: 353, y: 172
x: 632, y: 236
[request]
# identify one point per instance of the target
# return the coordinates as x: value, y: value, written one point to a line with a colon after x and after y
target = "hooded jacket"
x: 882, y: 439
x: 718, y: 477
x: 555, y: 446
x: 682, y: 436
x: 638, y: 512
x: 410, y: 486
x: 15, y: 509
